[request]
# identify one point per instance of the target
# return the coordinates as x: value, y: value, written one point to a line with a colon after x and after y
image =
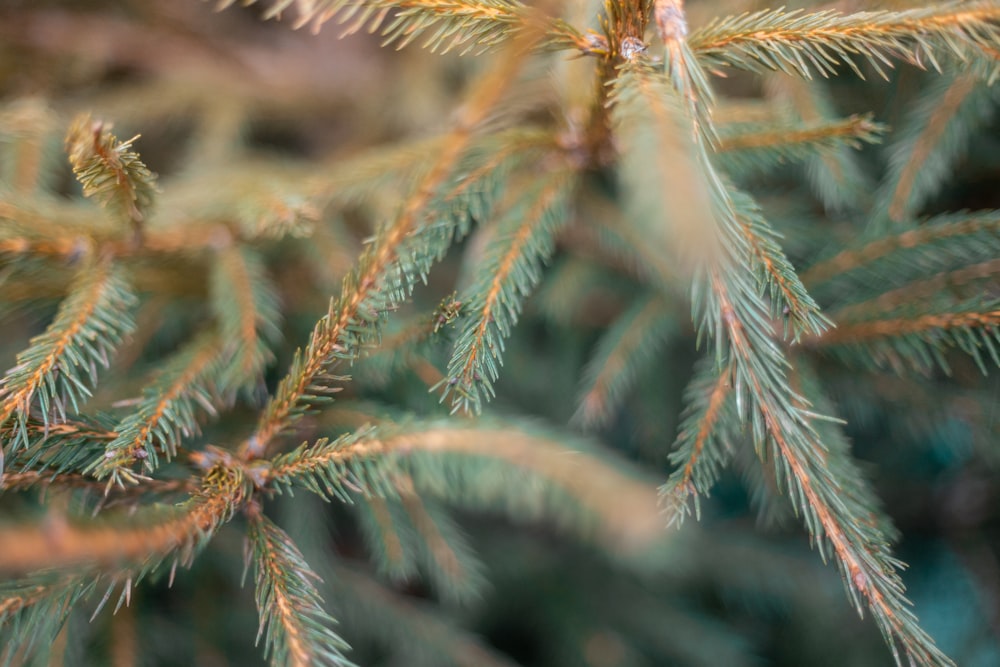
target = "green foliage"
x: 296, y: 629
x: 303, y: 235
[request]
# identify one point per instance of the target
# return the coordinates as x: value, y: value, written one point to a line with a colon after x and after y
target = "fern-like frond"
x: 59, y: 369
x: 466, y: 26
x: 186, y: 386
x: 704, y: 444
x: 110, y: 171
x: 805, y: 43
x: 524, y: 240
x: 297, y: 631
x: 624, y: 351
x: 933, y: 137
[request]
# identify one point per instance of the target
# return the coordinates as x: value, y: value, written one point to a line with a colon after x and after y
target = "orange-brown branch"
x: 902, y: 326
x: 949, y: 105
x: 58, y: 543
x: 855, y: 257
x: 18, y: 398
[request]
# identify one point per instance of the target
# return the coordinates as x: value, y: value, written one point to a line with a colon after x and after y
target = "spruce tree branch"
x: 703, y: 443
x: 466, y: 25
x: 37, y: 479
x: 926, y: 143
x: 368, y: 463
x: 146, y: 539
x: 986, y: 222
x: 860, y: 332
x: 61, y: 364
x: 111, y: 171
x: 492, y: 305
x: 850, y: 131
x: 166, y: 412
x: 298, y: 631
x: 327, y: 342
x: 800, y: 43
x: 445, y: 556
x: 920, y: 291
x: 627, y: 349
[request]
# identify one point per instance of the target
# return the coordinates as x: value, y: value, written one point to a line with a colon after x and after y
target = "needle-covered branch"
x: 807, y: 43
x: 297, y: 630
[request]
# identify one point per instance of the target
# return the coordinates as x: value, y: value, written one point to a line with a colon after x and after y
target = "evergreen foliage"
x: 731, y: 251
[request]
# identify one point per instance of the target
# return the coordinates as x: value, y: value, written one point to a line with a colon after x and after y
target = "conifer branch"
x: 297, y: 631
x: 704, y: 443
x: 60, y: 366
x: 384, y: 539
x: 524, y: 472
x: 352, y: 320
x: 728, y: 307
x: 246, y: 306
x: 448, y: 560
x: 835, y: 173
x: 148, y: 538
x: 627, y: 348
x: 32, y: 611
x: 750, y: 148
x: 918, y: 341
x: 958, y: 283
x: 110, y: 171
x: 932, y: 139
x: 412, y: 628
x: 952, y: 235
x: 491, y: 306
x: 168, y: 411
x: 469, y: 26
x: 802, y: 43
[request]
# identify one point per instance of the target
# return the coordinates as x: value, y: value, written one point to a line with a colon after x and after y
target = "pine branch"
x: 374, y: 286
x: 525, y: 473
x: 185, y: 387
x: 918, y: 340
x: 729, y: 309
x: 110, y: 171
x: 246, y: 308
x: 60, y: 366
x: 934, y: 136
x: 938, y: 243
x: 145, y: 540
x: 704, y: 444
x: 297, y: 631
x: 469, y: 26
x: 835, y: 173
x: 625, y: 350
x: 802, y: 43
x: 32, y: 612
x: 525, y: 239
x: 749, y: 148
